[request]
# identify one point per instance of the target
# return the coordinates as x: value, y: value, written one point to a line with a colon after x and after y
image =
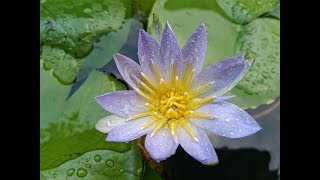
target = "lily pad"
x: 260, y: 40
x: 100, y: 164
x: 244, y: 11
x: 67, y: 129
x: 275, y: 13
x: 70, y: 28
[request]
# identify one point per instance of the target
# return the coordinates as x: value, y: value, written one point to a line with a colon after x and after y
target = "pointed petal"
x: 130, y: 130
x: 202, y: 150
x: 229, y: 120
x: 223, y: 98
x: 122, y: 103
x: 161, y: 145
x: 107, y: 123
x: 126, y: 67
x: 170, y: 52
x: 195, y: 49
x: 148, y: 52
x: 226, y: 74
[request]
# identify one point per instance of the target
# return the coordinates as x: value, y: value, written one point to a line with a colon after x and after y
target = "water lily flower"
x: 173, y: 100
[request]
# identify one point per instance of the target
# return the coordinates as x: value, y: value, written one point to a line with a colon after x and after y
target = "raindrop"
x: 87, y: 10
x: 231, y: 133
x: 137, y: 172
x: 109, y: 163
x: 97, y: 158
x: 54, y: 175
x: 248, y: 121
x: 81, y: 172
x: 121, y: 170
x: 48, y: 39
x: 70, y: 172
x: 228, y: 119
x: 88, y: 165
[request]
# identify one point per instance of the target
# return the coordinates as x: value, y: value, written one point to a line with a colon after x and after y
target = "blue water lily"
x: 173, y: 100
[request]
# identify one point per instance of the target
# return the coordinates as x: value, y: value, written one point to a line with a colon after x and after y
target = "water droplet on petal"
x: 228, y: 119
x: 231, y: 133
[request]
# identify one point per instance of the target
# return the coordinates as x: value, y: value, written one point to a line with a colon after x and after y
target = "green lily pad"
x: 260, y: 40
x: 63, y: 66
x: 275, y: 13
x: 100, y: 164
x: 67, y: 129
x: 104, y: 49
x: 244, y: 11
x: 185, y: 16
x: 68, y: 30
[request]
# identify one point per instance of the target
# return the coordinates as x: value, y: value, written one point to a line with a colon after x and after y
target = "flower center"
x: 173, y: 102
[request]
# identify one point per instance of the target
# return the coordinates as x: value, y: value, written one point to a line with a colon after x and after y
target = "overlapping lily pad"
x: 100, y: 164
x: 244, y: 11
x: 71, y: 27
x: 67, y: 126
x: 260, y: 40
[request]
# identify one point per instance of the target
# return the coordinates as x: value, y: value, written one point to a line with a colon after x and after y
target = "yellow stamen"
x: 180, y: 105
x: 173, y: 75
x: 173, y: 126
x: 149, y: 81
x: 140, y: 115
x: 151, y: 106
x: 192, y: 114
x: 148, y: 89
x: 201, y: 89
x: 189, y: 79
x: 183, y: 123
x: 199, y: 102
x: 156, y: 71
x: 149, y: 123
x: 147, y: 97
x: 158, y: 127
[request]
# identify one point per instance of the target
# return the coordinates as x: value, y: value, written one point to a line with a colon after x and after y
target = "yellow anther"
x: 201, y: 89
x: 140, y: 115
x: 148, y: 81
x: 173, y: 75
x: 148, y: 89
x: 199, y: 102
x: 144, y: 95
x: 156, y: 71
x: 183, y: 123
x: 173, y: 126
x: 192, y: 114
x: 151, y: 106
x: 152, y: 121
x: 180, y: 105
x: 160, y: 124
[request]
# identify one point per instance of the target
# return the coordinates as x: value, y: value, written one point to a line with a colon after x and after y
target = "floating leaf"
x: 244, y: 11
x: 70, y: 132
x: 260, y: 40
x: 71, y: 27
x: 100, y: 164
